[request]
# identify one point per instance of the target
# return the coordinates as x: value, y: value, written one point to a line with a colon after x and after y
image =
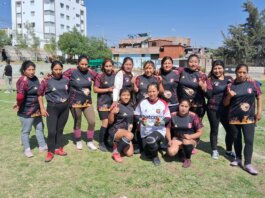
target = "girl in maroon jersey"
x: 121, y: 121
x: 28, y: 108
x: 56, y: 92
x: 241, y: 96
x: 217, y: 84
x: 81, y: 79
x: 103, y: 86
x: 187, y: 128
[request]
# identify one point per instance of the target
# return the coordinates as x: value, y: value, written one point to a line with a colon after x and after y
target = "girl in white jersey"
x: 153, y: 115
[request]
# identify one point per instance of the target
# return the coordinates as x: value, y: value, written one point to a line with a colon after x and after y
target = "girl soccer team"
x: 149, y: 110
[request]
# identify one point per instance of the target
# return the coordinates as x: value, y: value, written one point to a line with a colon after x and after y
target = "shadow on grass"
x: 205, y: 147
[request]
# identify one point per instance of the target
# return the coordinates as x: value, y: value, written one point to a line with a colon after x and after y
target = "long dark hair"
x: 239, y: 66
x: 125, y: 60
x: 81, y: 57
x: 215, y: 63
x: 25, y: 65
x: 56, y: 63
x: 104, y: 63
x: 163, y: 61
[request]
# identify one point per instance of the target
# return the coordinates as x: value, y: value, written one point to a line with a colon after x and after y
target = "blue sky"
x: 200, y: 20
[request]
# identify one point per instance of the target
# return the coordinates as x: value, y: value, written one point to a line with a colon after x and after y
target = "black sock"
x: 102, y: 133
x: 187, y: 150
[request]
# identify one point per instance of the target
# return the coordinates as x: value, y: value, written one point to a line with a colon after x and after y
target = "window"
x: 77, y: 15
x: 67, y: 7
x: 143, y: 55
x: 49, y: 12
x: 62, y: 5
x: 48, y: 1
x: 19, y: 25
x: 18, y: 15
x: 68, y: 27
x: 82, y: 12
x: 62, y: 15
x: 33, y: 24
x: 32, y: 2
x: 32, y: 13
x: 67, y: 17
x: 153, y: 44
x: 77, y: 25
x: 62, y: 26
x: 18, y: 3
x: 82, y: 22
x: 77, y: 1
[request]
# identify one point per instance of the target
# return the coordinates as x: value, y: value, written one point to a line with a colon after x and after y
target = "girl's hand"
x: 187, y: 136
x: 169, y: 143
x: 44, y: 112
x: 114, y: 104
x: 15, y: 108
x: 231, y: 93
x: 110, y: 89
x: 257, y: 117
x: 203, y: 85
x: 115, y: 110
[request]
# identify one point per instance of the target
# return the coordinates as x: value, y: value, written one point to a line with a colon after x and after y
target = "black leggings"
x: 215, y: 117
x: 248, y: 131
x: 151, y: 143
x: 200, y: 111
x: 58, y: 115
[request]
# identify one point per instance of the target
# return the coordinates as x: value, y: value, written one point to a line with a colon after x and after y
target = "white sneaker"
x: 215, y: 155
x: 91, y: 145
x: 28, y: 153
x: 43, y: 149
x: 79, y: 145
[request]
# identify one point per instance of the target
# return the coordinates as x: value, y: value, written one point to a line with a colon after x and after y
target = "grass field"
x: 94, y: 174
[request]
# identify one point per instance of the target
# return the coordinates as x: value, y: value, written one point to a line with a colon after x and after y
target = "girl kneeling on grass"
x: 56, y: 92
x: 153, y: 115
x: 28, y: 107
x: 121, y: 120
x: 187, y: 128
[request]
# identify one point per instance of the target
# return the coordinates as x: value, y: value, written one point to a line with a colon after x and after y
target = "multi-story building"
x: 48, y: 18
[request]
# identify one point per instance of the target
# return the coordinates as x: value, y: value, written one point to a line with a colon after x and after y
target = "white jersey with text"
x: 152, y: 115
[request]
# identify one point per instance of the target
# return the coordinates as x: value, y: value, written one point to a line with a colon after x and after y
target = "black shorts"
x: 103, y: 115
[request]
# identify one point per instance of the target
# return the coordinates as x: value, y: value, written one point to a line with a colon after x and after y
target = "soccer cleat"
x: 102, y: 147
x: 49, y: 157
x: 194, y: 151
x: 250, y: 169
x: 215, y: 155
x: 117, y: 157
x: 236, y: 162
x: 186, y: 163
x: 156, y: 161
x: 230, y: 154
x: 28, y: 153
x: 60, y: 152
x: 91, y: 146
x: 79, y: 145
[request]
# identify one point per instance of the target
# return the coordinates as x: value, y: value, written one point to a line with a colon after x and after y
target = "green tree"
x: 74, y: 43
x: 51, y: 47
x: 4, y: 39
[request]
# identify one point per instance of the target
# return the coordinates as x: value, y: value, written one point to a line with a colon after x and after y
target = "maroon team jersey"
x: 170, y: 81
x: 189, y: 86
x: 142, y: 83
x: 104, y: 81
x: 28, y: 87
x: 55, y: 90
x: 242, y: 105
x: 187, y: 124
x: 216, y: 90
x: 80, y: 86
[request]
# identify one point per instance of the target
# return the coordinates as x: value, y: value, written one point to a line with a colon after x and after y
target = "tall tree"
x: 4, y: 39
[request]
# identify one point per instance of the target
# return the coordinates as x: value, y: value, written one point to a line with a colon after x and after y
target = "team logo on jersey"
x: 194, y: 80
x: 106, y: 82
x: 141, y: 83
x: 182, y: 76
x: 249, y: 90
x: 167, y: 94
x: 175, y: 125
x: 89, y: 79
x: 189, y: 91
x: 127, y: 79
x: 53, y: 89
x: 216, y: 84
x: 86, y: 91
x: 66, y: 87
x: 172, y: 80
x: 78, y: 79
x: 157, y: 110
x: 189, y: 125
x: 244, y: 106
x: 124, y: 114
x: 35, y: 88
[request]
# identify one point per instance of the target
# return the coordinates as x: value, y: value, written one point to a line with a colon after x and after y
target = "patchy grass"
x: 94, y: 174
